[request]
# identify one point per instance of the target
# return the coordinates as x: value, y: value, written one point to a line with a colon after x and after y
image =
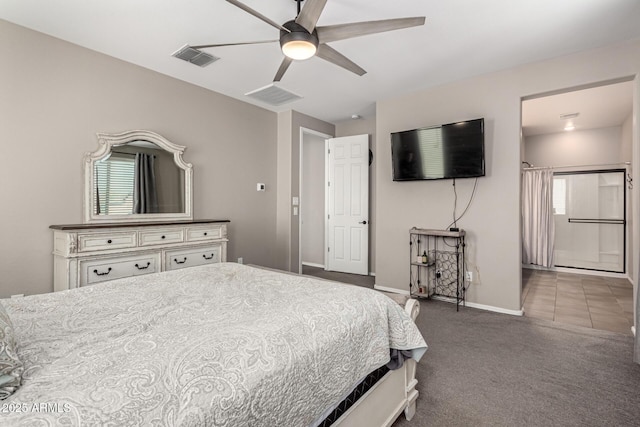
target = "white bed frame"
x: 392, y: 394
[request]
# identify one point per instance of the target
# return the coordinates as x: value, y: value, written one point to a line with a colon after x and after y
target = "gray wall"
x: 312, y: 207
x: 493, y: 219
x: 585, y: 147
x: 55, y: 96
x: 627, y: 147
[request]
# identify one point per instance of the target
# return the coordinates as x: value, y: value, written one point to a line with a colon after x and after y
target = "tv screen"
x: 454, y: 150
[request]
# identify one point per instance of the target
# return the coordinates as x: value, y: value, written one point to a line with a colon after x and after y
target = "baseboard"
x: 481, y: 306
x: 312, y: 264
x: 453, y: 300
x: 392, y: 290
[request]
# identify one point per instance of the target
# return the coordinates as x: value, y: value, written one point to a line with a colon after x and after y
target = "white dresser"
x: 85, y: 254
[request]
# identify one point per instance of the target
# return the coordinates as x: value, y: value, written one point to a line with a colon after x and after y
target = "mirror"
x: 137, y: 176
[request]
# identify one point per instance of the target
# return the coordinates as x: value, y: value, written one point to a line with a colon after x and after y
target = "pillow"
x: 10, y: 366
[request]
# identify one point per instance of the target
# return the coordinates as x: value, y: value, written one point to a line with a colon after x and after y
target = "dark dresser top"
x: 133, y: 224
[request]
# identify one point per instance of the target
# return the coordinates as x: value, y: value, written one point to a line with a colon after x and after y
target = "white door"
x: 348, y: 204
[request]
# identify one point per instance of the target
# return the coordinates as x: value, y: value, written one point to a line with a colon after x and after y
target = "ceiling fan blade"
x: 330, y: 54
x: 283, y: 68
x: 204, y: 46
x: 257, y: 14
x: 310, y: 14
x: 332, y: 33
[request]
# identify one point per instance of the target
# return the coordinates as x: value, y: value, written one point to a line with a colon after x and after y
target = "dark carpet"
x: 354, y: 279
x: 489, y: 369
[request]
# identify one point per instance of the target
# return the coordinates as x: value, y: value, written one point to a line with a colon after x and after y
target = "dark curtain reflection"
x: 145, y: 194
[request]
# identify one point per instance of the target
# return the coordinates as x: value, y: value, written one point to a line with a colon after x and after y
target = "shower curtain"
x: 537, y: 217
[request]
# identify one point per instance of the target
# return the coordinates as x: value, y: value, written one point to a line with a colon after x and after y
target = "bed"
x: 222, y: 344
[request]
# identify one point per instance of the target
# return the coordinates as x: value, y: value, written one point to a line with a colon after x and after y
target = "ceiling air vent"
x: 567, y: 116
x: 195, y: 56
x: 273, y: 95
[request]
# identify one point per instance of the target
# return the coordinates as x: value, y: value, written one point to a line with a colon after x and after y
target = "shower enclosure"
x: 590, y: 220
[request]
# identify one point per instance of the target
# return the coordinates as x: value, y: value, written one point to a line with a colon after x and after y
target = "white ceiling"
x: 461, y: 38
x: 598, y: 107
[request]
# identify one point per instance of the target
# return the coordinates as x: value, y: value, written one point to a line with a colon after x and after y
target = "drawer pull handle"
x: 180, y: 262
x: 205, y: 233
x: 102, y: 274
x: 164, y: 237
x: 145, y: 267
x: 109, y: 241
x: 205, y: 256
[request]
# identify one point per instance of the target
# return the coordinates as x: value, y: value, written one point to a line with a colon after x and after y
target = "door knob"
x: 363, y: 222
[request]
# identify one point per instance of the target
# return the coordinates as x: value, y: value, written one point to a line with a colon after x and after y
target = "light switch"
x: 295, y: 211
x: 296, y: 201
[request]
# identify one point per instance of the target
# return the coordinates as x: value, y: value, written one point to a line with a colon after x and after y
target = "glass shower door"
x: 590, y: 220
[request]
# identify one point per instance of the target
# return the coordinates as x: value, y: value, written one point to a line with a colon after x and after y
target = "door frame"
x: 633, y: 270
x: 308, y: 131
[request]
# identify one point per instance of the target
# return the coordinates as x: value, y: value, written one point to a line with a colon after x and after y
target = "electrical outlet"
x: 469, y: 276
x: 240, y: 260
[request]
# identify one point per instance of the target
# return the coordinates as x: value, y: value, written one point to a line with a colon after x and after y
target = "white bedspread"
x: 217, y: 345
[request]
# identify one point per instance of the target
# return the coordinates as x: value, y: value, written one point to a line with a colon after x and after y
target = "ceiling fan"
x: 300, y: 38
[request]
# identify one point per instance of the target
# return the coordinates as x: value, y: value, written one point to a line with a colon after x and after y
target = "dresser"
x: 86, y: 254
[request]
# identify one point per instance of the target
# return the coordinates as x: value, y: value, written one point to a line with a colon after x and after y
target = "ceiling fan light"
x: 298, y: 44
x: 299, y: 49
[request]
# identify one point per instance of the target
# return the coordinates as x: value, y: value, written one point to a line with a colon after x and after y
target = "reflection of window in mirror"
x: 114, y: 178
x: 138, y: 178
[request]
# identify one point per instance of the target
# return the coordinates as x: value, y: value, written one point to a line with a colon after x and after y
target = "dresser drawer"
x: 160, y: 237
x: 210, y: 232
x: 105, y: 241
x: 191, y: 257
x: 101, y: 270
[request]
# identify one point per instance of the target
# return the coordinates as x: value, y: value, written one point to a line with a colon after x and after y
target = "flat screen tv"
x: 454, y: 150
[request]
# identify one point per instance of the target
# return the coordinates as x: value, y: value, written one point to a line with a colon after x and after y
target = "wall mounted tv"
x: 454, y: 150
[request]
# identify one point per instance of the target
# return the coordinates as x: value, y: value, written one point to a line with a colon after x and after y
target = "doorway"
x: 333, y: 218
x: 311, y: 204
x: 585, y: 137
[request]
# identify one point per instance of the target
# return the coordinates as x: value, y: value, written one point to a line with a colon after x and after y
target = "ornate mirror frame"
x: 105, y: 143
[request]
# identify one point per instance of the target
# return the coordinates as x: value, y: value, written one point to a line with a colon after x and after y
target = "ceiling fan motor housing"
x: 297, y: 35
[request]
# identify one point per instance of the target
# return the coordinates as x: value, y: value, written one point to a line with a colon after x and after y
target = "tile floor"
x: 596, y: 302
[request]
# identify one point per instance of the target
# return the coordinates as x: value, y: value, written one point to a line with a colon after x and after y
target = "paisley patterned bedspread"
x: 217, y: 345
